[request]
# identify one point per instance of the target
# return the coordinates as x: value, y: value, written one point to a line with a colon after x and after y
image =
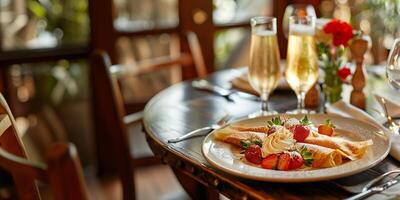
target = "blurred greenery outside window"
x: 53, y: 104
x: 51, y: 99
x: 43, y: 23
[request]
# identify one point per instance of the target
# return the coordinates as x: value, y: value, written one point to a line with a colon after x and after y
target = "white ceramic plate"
x: 223, y: 156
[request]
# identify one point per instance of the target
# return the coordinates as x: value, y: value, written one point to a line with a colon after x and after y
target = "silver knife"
x: 226, y: 93
x: 374, y: 190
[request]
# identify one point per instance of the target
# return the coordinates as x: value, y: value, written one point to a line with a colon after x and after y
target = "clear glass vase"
x: 333, y: 93
x: 332, y: 86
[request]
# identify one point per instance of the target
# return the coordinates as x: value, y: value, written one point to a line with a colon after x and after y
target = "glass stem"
x: 300, y: 100
x: 264, y: 102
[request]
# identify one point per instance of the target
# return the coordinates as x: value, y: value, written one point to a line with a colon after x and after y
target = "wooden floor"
x: 156, y: 182
x: 152, y: 183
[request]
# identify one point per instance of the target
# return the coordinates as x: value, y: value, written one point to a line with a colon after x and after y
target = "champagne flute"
x: 393, y: 65
x: 264, y: 67
x: 300, y: 10
x: 301, y: 61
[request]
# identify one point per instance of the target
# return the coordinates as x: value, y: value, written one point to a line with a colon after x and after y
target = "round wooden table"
x: 180, y: 109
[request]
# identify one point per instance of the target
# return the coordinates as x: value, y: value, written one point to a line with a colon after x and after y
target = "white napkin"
x: 392, y: 105
x: 347, y: 110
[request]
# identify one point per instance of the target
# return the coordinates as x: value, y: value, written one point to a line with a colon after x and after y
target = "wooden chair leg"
x: 194, y: 189
x: 212, y: 194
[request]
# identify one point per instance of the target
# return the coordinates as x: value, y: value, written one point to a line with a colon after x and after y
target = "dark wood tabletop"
x: 180, y: 109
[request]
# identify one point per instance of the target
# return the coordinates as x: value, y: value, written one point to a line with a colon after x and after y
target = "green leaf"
x: 305, y: 121
x: 37, y: 9
x: 257, y: 142
x: 244, y: 144
x: 274, y: 121
x: 307, y: 156
x: 329, y: 123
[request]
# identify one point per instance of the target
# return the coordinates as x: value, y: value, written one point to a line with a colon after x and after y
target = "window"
x: 52, y: 103
x: 145, y: 14
x: 36, y: 24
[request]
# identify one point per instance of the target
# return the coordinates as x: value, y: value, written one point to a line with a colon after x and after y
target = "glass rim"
x: 261, y: 20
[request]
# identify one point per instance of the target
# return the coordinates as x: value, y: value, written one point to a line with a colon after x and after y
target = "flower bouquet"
x: 332, y: 43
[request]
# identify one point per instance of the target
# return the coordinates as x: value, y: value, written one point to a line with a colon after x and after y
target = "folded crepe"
x: 350, y: 149
x: 322, y: 157
x: 233, y: 136
x: 261, y: 129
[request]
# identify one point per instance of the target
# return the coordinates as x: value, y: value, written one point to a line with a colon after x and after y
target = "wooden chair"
x: 110, y: 116
x: 62, y: 171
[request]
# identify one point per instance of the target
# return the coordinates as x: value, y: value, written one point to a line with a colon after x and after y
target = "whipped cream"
x: 279, y: 141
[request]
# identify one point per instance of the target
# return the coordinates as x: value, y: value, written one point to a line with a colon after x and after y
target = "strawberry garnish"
x: 327, y: 128
x: 253, y: 154
x: 300, y: 132
x: 270, y: 162
x: 284, y: 162
x: 296, y: 161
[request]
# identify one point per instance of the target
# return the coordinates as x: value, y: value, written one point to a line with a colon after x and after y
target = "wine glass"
x: 301, y: 61
x: 393, y: 76
x: 300, y: 10
x: 393, y: 65
x: 264, y: 67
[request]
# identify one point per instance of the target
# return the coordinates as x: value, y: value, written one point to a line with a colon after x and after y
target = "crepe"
x: 233, y: 136
x: 261, y: 129
x: 351, y: 149
x: 322, y: 157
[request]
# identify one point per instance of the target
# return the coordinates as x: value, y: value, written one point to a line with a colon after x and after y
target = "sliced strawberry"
x: 270, y: 161
x: 271, y: 130
x: 300, y: 132
x: 297, y: 161
x: 253, y: 154
x: 284, y: 162
x: 325, y: 129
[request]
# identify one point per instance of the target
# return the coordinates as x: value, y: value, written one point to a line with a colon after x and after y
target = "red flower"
x: 342, y: 32
x: 343, y: 73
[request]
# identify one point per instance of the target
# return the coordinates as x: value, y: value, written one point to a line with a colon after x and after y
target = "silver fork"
x: 205, y: 85
x: 201, y: 131
x: 379, y: 178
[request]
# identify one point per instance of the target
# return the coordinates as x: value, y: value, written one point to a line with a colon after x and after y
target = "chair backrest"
x: 62, y: 171
x: 11, y: 142
x: 111, y: 133
x: 195, y: 50
x: 184, y: 60
x: 109, y: 110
